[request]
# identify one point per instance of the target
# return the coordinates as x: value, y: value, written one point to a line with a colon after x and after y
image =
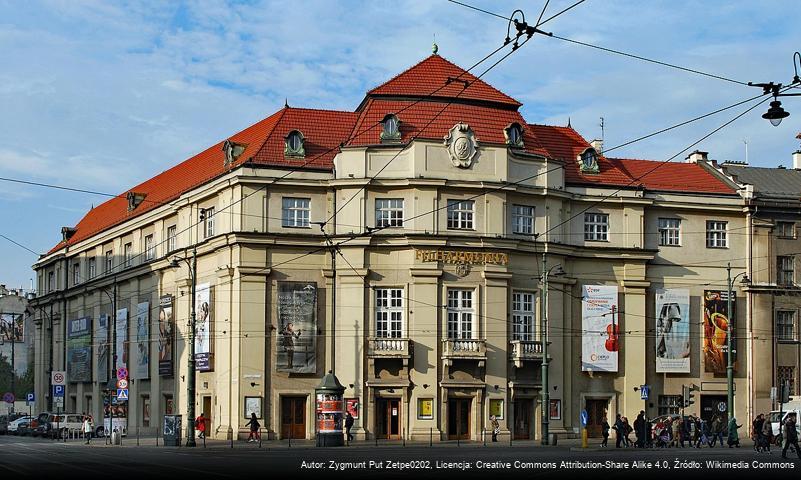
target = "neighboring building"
x: 16, y: 340
x: 443, y: 206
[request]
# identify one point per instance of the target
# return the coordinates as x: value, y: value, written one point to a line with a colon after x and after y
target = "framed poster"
x: 719, y: 323
x: 122, y: 339
x: 297, y: 327
x: 496, y: 408
x: 425, y: 408
x: 555, y: 411
x: 672, y: 331
x: 79, y: 350
x: 204, y: 319
x: 252, y: 405
x: 600, y: 328
x: 12, y: 328
x: 352, y: 407
x: 141, y: 366
x: 166, y: 328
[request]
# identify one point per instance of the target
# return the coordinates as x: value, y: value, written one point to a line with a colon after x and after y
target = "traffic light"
x: 785, y: 392
x: 687, y: 397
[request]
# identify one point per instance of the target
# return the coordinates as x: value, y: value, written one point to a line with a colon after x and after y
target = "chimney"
x: 797, y: 160
x: 697, y: 156
x: 598, y: 145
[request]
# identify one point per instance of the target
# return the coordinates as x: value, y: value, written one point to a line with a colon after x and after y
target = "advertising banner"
x: 717, y: 323
x: 673, y: 331
x: 141, y: 369
x: 12, y: 327
x: 79, y: 350
x: 600, y: 328
x: 102, y: 346
x: 166, y: 338
x: 297, y: 333
x: 203, y: 328
x: 121, y: 339
x: 329, y: 413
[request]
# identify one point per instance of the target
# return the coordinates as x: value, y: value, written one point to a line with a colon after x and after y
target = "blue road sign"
x: 583, y: 418
x: 645, y: 391
x: 58, y: 390
x: 122, y: 394
x: 30, y: 397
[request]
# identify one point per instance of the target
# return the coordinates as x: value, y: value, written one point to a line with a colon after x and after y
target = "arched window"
x: 391, y: 128
x: 293, y: 144
x: 514, y: 135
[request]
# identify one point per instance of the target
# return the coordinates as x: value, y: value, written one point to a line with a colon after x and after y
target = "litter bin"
x: 553, y: 438
x: 116, y: 437
x: 172, y: 430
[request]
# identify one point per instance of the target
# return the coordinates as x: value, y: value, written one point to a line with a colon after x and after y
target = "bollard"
x: 430, y: 436
x: 484, y: 436
x: 259, y: 437
x: 137, y: 436
x: 157, y: 436
x: 510, y: 438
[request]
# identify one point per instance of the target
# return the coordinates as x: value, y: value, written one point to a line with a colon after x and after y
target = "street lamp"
x: 776, y: 113
x: 190, y: 384
x: 555, y: 270
x: 729, y: 331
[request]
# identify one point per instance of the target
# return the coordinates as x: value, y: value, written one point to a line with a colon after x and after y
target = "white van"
x: 777, y: 416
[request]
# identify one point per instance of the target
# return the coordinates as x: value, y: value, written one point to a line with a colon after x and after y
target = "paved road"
x: 22, y: 457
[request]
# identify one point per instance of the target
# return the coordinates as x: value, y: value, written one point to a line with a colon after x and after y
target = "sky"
x: 103, y: 95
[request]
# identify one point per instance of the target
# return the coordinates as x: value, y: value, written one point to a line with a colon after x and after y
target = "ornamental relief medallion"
x: 462, y: 145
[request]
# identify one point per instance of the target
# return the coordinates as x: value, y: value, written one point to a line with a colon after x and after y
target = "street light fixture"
x: 776, y: 113
x: 190, y: 384
x: 745, y: 281
x: 556, y: 271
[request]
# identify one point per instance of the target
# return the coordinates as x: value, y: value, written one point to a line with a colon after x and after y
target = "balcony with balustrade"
x: 380, y: 347
x: 464, y: 349
x: 521, y: 351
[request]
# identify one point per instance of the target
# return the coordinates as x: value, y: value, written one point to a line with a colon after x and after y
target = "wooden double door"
x: 459, y: 418
x: 596, y: 412
x: 293, y: 417
x: 388, y: 418
x: 524, y: 418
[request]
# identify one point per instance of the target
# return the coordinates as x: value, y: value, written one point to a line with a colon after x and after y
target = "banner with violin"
x: 718, y: 323
x: 600, y: 339
x: 673, y: 331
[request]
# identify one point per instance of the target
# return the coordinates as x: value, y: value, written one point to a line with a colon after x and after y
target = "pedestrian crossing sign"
x: 122, y: 394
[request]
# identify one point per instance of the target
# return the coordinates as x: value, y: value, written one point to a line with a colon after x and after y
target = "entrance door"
x: 459, y: 418
x: 293, y: 417
x: 596, y: 411
x: 207, y: 413
x: 388, y: 418
x: 712, y: 405
x: 523, y: 417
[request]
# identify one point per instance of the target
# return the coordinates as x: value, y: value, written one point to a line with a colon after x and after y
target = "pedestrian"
x: 734, y: 437
x: 605, y: 432
x: 255, y: 434
x: 619, y: 430
x: 200, y: 426
x: 87, y: 428
x: 626, y: 432
x: 756, y: 432
x: 639, y: 429
x: 717, y: 431
x: 348, y: 426
x: 676, y: 431
x: 767, y: 434
x: 790, y: 436
x: 697, y: 432
x: 496, y: 427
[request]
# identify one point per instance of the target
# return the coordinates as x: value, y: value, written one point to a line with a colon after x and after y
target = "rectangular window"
x: 669, y: 404
x: 460, y: 214
x: 522, y: 316
x: 785, y: 229
x: 596, y: 226
x: 716, y: 234
x: 92, y: 267
x: 127, y: 253
x: 785, y: 270
x: 786, y: 374
x: 669, y: 232
x: 461, y: 313
x: 785, y: 325
x: 150, y: 249
x: 388, y: 212
x: 209, y: 226
x: 109, y: 261
x: 523, y: 219
x: 76, y: 273
x: 172, y: 237
x: 296, y: 212
x: 389, y: 312
x: 51, y: 282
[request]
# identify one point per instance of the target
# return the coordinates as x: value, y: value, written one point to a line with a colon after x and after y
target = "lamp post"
x: 190, y: 380
x: 729, y: 331
x: 546, y: 399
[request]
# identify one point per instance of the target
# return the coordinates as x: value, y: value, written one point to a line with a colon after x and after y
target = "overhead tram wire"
x: 19, y: 245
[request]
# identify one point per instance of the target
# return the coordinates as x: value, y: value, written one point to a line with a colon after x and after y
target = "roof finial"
x: 568, y: 123
x: 434, y: 47
x: 286, y: 103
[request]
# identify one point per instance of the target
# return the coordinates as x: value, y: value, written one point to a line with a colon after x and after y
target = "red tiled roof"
x: 676, y: 177
x: 430, y: 77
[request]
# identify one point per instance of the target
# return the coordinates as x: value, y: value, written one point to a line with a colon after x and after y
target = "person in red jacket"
x: 200, y: 425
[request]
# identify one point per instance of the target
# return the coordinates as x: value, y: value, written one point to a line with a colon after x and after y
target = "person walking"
x: 255, y: 434
x: 717, y: 431
x: 605, y: 432
x: 200, y: 426
x: 639, y: 429
x: 626, y: 432
x: 348, y: 426
x: 496, y: 427
x: 790, y: 436
x: 619, y: 430
x: 767, y: 435
x: 756, y: 433
x: 734, y: 437
x: 87, y: 428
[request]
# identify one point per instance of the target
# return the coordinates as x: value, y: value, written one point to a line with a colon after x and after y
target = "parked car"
x: 62, y: 424
x: 13, y: 427
x: 3, y: 424
x: 777, y: 418
x: 39, y: 425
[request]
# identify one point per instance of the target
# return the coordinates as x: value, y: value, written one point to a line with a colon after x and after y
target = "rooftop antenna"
x: 602, y: 128
x: 745, y: 141
x: 434, y: 47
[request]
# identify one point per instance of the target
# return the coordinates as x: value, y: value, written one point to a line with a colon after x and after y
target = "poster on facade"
x: 600, y: 328
x: 101, y: 344
x: 141, y: 369
x: 12, y: 327
x: 203, y: 328
x: 79, y: 350
x: 673, y: 331
x: 166, y: 338
x: 121, y: 336
x: 329, y: 413
x: 717, y: 325
x: 297, y: 327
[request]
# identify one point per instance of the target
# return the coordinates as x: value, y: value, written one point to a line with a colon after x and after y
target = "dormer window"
x: 293, y: 144
x: 588, y: 161
x: 514, y: 135
x: 390, y: 128
x: 232, y: 151
x: 134, y: 200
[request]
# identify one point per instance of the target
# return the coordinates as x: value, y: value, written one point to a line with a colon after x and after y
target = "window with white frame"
x: 785, y: 229
x: 669, y: 404
x: 460, y: 214
x: 389, y: 312
x: 150, y: 249
x: 596, y: 226
x: 523, y: 316
x: 92, y: 267
x: 76, y: 273
x: 209, y: 226
x: 296, y: 212
x: 716, y: 234
x: 785, y: 325
x: 785, y: 268
x: 127, y: 253
x: 461, y: 313
x: 669, y: 232
x: 388, y: 212
x: 172, y: 238
x: 523, y: 219
x: 109, y: 261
